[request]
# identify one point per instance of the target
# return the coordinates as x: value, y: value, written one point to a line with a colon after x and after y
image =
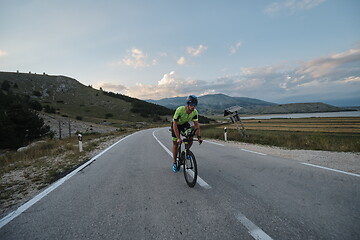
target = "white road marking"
x: 263, y: 154
x: 200, y: 181
x: 213, y: 143
x: 52, y: 187
x: 167, y: 150
x: 331, y: 169
x: 254, y: 230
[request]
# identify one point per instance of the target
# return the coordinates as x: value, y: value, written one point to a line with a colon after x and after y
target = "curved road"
x: 130, y: 192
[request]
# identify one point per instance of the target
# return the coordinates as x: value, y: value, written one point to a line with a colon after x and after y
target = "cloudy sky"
x: 280, y: 51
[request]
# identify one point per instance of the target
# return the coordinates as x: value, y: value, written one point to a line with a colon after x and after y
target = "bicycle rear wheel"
x: 190, y: 169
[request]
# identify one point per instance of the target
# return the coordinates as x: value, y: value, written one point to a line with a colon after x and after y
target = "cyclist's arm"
x: 176, y: 130
x: 197, y: 125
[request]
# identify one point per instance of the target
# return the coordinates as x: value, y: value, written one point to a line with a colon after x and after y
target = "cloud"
x: 332, y: 65
x: 181, y: 61
x: 291, y: 5
x: 302, y: 4
x: 196, y: 51
x: 273, y: 8
x: 136, y: 59
x: 328, y: 76
x: 350, y: 79
x: 118, y: 88
x: 3, y: 53
x: 234, y: 49
x: 173, y: 84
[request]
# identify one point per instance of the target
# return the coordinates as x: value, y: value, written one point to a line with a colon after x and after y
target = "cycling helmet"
x: 192, y: 100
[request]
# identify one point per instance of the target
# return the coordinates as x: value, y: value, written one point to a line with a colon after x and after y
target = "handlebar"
x: 190, y: 132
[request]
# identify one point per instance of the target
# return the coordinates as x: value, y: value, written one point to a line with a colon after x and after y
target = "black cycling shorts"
x: 181, y: 128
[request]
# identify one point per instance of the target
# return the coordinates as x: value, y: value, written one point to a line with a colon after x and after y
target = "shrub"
x: 20, y: 125
x: 109, y: 115
x: 37, y: 93
x: 5, y: 86
x: 33, y: 104
x: 49, y: 109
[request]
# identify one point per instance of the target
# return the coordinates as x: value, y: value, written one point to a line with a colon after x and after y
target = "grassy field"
x: 331, y: 134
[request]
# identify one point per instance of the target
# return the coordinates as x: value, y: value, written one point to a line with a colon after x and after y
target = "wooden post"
x: 59, y: 130
x: 69, y: 129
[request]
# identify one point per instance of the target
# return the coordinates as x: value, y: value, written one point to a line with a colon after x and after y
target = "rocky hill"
x: 69, y: 98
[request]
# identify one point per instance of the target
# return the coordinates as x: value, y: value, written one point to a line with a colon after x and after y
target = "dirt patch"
x: 66, y: 125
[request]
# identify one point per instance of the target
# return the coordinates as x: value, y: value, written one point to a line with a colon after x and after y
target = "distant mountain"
x: 216, y: 103
x: 213, y: 103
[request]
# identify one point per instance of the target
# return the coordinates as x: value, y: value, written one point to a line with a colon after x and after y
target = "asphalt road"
x: 130, y: 192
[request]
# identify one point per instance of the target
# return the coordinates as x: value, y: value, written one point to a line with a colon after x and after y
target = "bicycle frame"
x: 187, y: 158
x: 186, y: 141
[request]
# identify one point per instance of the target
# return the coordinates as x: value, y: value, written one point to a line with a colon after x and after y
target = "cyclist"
x: 183, y: 115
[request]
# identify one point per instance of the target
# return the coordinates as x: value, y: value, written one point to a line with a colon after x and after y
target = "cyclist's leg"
x: 175, y: 145
x: 191, y: 142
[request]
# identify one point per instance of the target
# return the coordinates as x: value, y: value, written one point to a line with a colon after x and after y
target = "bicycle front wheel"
x: 190, y: 169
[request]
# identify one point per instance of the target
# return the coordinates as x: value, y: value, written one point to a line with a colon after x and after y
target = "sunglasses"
x: 192, y: 104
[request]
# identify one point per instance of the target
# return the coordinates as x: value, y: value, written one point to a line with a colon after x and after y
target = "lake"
x: 306, y: 115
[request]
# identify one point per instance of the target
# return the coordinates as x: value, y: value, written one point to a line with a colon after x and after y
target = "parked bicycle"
x: 187, y: 159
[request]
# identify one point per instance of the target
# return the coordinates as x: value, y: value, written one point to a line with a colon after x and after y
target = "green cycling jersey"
x: 182, y: 117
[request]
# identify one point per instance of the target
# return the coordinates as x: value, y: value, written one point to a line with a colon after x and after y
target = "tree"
x: 18, y: 123
x: 5, y: 85
x: 33, y: 104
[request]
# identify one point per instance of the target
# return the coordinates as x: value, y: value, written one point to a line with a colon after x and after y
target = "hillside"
x: 68, y: 97
x: 213, y: 103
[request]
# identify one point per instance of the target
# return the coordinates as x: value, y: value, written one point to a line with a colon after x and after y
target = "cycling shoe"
x: 175, y: 168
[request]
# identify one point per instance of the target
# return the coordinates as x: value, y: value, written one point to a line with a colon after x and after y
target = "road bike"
x: 187, y: 159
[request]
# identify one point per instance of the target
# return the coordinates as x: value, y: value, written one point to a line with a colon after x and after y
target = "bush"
x: 5, y: 86
x: 33, y: 104
x: 37, y: 93
x: 19, y: 125
x: 49, y: 109
x: 109, y: 115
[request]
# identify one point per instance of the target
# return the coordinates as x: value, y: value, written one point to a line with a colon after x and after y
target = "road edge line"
x: 200, y: 181
x: 8, y: 218
x: 256, y: 232
x: 263, y: 154
x: 331, y: 169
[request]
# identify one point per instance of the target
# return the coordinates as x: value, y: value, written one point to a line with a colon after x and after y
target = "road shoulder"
x: 344, y: 161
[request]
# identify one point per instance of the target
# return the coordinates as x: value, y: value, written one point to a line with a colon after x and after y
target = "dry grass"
x: 329, y: 125
x: 331, y: 134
